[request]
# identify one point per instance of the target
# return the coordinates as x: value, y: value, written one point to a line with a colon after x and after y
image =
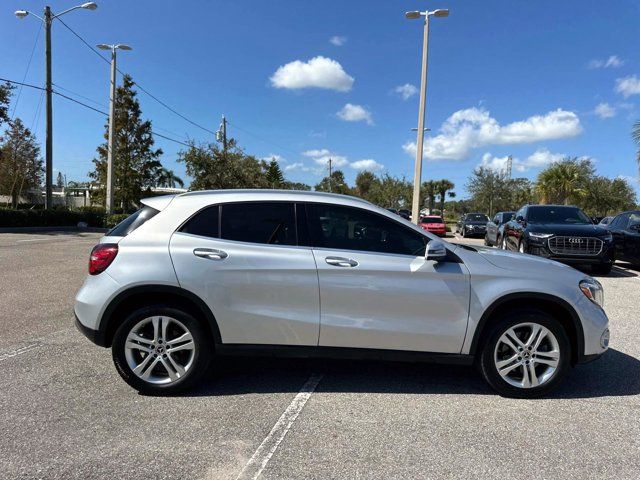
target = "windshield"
x: 476, y: 217
x: 432, y: 220
x: 558, y: 215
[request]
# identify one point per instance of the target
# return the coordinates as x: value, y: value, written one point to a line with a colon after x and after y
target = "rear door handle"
x: 210, y: 253
x: 341, y: 262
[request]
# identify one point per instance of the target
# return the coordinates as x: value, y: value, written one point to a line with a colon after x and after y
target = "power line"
x: 80, y: 95
x: 26, y: 72
x: 84, y: 41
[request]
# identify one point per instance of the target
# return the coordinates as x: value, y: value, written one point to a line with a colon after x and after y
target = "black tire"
x: 462, y: 232
x: 488, y: 366
x: 486, y: 241
x: 602, y: 269
x: 201, y: 355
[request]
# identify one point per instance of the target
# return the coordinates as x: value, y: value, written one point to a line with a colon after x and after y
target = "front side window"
x: 271, y: 223
x: 634, y: 219
x: 348, y: 228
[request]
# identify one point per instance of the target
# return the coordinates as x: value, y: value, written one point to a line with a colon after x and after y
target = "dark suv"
x: 472, y: 225
x: 562, y: 233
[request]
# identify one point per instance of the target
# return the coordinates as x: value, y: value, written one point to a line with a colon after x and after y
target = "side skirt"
x: 342, y: 353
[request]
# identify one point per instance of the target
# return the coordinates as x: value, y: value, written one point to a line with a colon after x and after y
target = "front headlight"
x: 592, y: 289
x: 540, y: 236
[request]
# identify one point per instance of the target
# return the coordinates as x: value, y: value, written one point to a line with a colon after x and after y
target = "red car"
x: 434, y: 224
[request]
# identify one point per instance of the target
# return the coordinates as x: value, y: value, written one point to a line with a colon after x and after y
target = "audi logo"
x: 575, y: 240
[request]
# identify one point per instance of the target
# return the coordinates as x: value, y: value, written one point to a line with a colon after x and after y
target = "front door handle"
x: 210, y: 253
x: 341, y: 262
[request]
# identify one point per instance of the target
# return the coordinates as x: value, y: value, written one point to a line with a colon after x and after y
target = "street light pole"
x: 48, y: 19
x: 111, y: 141
x: 417, y: 176
x: 112, y: 137
x: 48, y: 199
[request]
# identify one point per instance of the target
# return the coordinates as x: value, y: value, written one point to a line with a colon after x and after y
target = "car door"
x: 617, y: 228
x: 377, y: 290
x: 492, y: 229
x: 244, y: 261
x: 632, y: 239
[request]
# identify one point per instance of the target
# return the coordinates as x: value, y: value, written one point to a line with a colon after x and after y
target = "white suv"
x: 254, y: 272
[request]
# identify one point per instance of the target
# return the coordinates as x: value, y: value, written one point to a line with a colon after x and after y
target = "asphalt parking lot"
x: 67, y: 414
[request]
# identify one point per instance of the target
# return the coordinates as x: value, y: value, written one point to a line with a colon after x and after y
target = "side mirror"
x: 435, y: 251
x: 520, y: 219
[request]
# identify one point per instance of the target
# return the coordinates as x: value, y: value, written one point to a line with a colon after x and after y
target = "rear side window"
x: 205, y: 223
x: 132, y: 222
x: 271, y: 223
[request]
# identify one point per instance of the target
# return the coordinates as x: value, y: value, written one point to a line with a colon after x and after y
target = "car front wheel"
x: 526, y: 355
x: 161, y: 350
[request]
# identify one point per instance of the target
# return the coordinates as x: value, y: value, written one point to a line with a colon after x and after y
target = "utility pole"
x: 48, y: 199
x: 111, y: 145
x: 509, y: 166
x: 330, y: 189
x: 221, y: 134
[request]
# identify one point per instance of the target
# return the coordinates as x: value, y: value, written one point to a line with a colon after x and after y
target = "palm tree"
x: 168, y: 179
x: 430, y: 190
x: 444, y: 186
x: 564, y: 181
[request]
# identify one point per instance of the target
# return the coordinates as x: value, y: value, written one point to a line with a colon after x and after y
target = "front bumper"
x: 541, y: 249
x: 471, y: 230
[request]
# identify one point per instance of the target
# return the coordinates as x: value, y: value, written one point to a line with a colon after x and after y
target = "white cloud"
x: 604, y: 110
x: 272, y: 156
x: 319, y: 72
x: 355, y: 113
x: 628, y: 86
x: 540, y: 158
x: 472, y: 128
x: 406, y: 91
x: 321, y: 158
x: 612, y: 62
x: 366, y: 164
x: 296, y: 166
x: 338, y: 40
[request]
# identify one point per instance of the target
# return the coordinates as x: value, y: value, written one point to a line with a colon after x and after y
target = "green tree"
x: 605, y: 196
x: 135, y: 161
x: 168, y: 179
x: 565, y: 182
x: 429, y: 191
x: 20, y: 163
x: 489, y: 190
x: 287, y: 185
x: 365, y: 182
x: 274, y: 174
x: 391, y: 192
x: 5, y: 100
x: 335, y: 184
x: 212, y: 168
x: 443, y: 187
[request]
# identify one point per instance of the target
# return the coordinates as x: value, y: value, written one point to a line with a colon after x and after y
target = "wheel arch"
x: 550, y: 304
x: 145, y: 295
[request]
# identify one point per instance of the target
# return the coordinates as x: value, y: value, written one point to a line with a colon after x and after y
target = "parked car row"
x: 561, y: 232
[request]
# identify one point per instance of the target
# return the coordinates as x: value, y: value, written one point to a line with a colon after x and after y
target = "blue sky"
x: 535, y: 80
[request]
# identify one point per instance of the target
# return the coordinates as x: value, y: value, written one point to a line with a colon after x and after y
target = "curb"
x: 52, y: 229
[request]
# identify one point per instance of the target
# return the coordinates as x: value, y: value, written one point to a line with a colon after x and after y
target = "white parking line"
x: 19, y: 351
x: 269, y: 445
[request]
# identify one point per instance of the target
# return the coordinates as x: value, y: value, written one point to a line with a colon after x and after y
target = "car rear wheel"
x: 161, y: 350
x: 486, y: 240
x: 526, y: 355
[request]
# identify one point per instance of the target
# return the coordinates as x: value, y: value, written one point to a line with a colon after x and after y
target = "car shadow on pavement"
x: 615, y: 374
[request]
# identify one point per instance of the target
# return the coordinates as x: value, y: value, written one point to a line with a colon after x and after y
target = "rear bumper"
x: 96, y: 336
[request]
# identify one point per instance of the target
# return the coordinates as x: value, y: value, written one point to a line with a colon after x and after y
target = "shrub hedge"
x: 55, y: 218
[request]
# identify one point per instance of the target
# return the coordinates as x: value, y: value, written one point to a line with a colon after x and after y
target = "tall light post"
x: 417, y: 177
x: 111, y: 142
x: 48, y: 19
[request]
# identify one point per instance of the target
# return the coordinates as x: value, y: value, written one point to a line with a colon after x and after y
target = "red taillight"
x: 101, y: 257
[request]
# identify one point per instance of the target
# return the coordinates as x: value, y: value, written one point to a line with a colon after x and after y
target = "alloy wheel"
x: 160, y: 350
x: 527, y: 355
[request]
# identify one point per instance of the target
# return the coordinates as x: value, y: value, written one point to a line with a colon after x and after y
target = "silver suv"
x: 304, y: 273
